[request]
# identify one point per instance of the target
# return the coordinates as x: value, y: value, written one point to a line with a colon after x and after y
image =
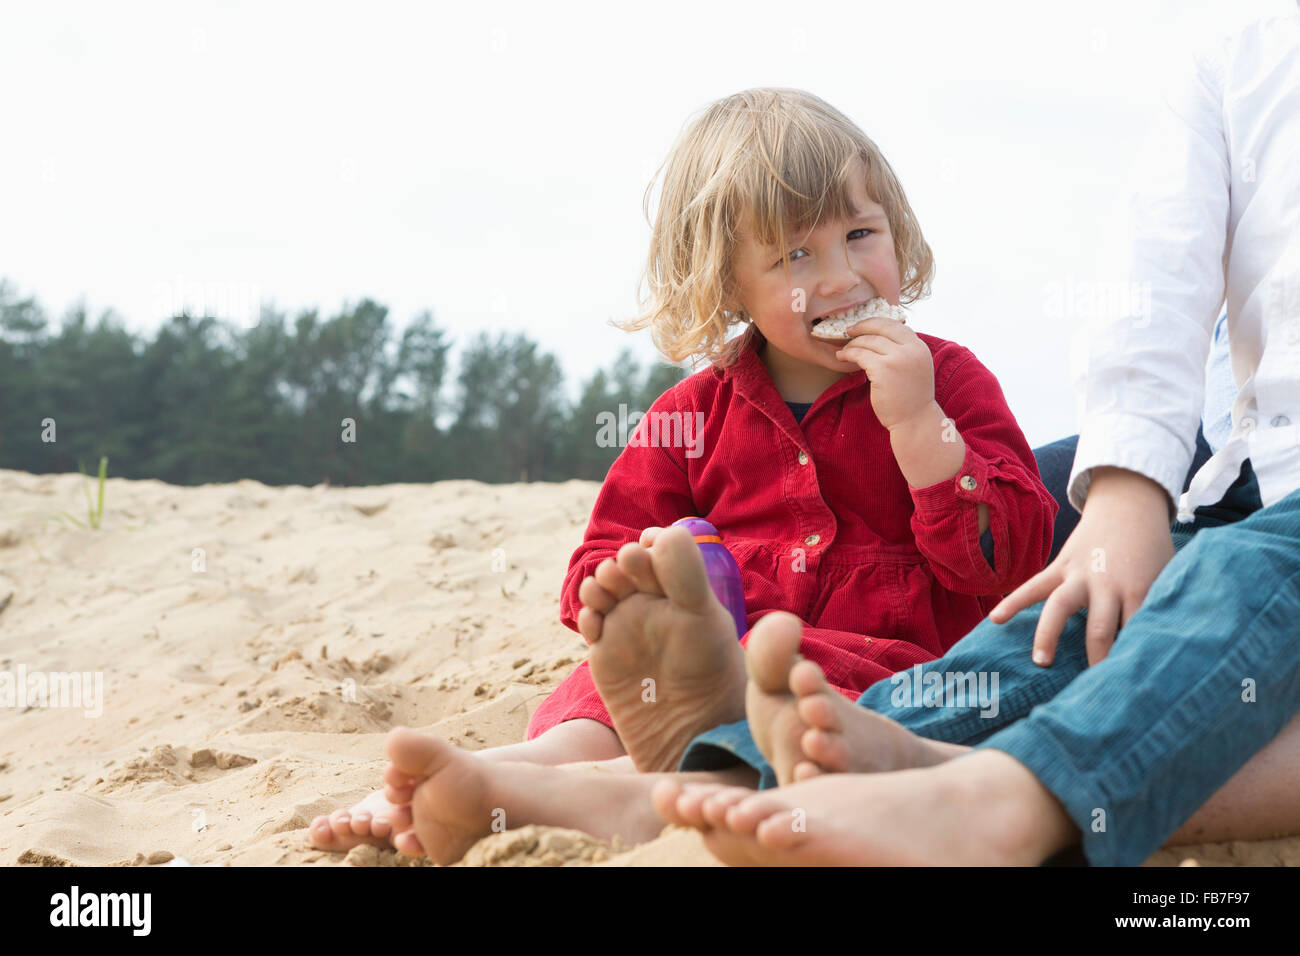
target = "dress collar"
x: 752, y: 378
x: 753, y: 381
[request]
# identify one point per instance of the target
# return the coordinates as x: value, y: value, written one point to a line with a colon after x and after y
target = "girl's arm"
x: 969, y: 467
x: 647, y: 486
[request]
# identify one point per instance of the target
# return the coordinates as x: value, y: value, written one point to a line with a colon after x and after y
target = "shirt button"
x: 969, y: 483
x: 803, y: 457
x: 1280, y: 422
x: 812, y: 539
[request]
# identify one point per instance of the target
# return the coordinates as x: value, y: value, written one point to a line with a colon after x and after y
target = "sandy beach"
x: 256, y: 643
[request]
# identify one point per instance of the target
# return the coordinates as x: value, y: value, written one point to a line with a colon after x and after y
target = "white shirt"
x: 1215, y: 214
x: 1220, y: 389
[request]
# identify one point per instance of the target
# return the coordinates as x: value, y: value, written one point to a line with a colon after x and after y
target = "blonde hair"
x: 766, y: 159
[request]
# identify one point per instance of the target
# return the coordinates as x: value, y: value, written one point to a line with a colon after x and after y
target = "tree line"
x: 347, y: 399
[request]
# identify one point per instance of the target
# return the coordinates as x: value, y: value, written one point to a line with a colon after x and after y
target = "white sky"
x: 489, y: 164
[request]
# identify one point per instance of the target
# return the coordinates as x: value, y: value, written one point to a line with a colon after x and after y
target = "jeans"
x: 1201, y: 678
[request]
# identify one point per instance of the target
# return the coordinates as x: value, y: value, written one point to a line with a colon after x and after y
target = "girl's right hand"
x: 648, y: 536
x: 1107, y: 565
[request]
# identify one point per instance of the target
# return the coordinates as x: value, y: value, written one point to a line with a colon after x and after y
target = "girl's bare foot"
x: 373, y: 820
x: 456, y: 798
x: 665, y: 656
x: 805, y: 727
x: 376, y: 821
x: 986, y: 809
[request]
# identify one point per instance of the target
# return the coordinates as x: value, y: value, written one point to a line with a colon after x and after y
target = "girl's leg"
x: 455, y: 800
x: 569, y: 742
x: 374, y: 819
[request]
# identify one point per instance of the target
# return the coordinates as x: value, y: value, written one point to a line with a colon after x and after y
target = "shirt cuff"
x: 970, y: 485
x: 1132, y: 442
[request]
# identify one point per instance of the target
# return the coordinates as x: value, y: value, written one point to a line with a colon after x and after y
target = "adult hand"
x: 1107, y: 565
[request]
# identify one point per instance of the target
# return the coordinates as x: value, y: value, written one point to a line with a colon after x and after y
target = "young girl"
x: 879, y: 490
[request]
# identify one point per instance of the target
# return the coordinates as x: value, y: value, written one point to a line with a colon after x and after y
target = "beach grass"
x: 94, y: 506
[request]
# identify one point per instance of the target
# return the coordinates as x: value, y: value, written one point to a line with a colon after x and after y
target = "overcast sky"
x: 488, y: 163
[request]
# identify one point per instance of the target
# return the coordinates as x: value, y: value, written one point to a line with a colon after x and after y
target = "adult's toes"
x: 818, y: 710
x: 717, y: 804
x: 806, y: 678
x: 782, y: 831
x: 771, y: 649
x: 806, y: 770
x: 732, y: 849
x: 829, y: 750
x: 683, y: 805
x: 665, y: 796
x: 744, y: 817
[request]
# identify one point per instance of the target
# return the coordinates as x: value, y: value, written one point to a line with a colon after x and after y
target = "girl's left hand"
x: 898, y: 364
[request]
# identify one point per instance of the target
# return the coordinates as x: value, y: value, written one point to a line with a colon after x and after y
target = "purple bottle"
x: 721, y: 567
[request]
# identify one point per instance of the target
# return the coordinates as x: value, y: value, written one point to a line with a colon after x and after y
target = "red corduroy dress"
x: 820, y: 518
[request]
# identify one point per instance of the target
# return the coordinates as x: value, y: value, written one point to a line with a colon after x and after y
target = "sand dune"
x: 256, y: 643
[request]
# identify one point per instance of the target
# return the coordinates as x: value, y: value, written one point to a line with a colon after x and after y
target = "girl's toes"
x: 407, y: 842
x: 341, y: 823
x: 634, y: 561
x: 321, y: 833
x: 591, y: 624
x: 612, y: 579
x: 595, y: 596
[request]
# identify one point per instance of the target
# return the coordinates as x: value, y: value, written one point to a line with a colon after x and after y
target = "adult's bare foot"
x: 986, y: 809
x: 666, y: 660
x: 774, y: 721
x: 805, y: 727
